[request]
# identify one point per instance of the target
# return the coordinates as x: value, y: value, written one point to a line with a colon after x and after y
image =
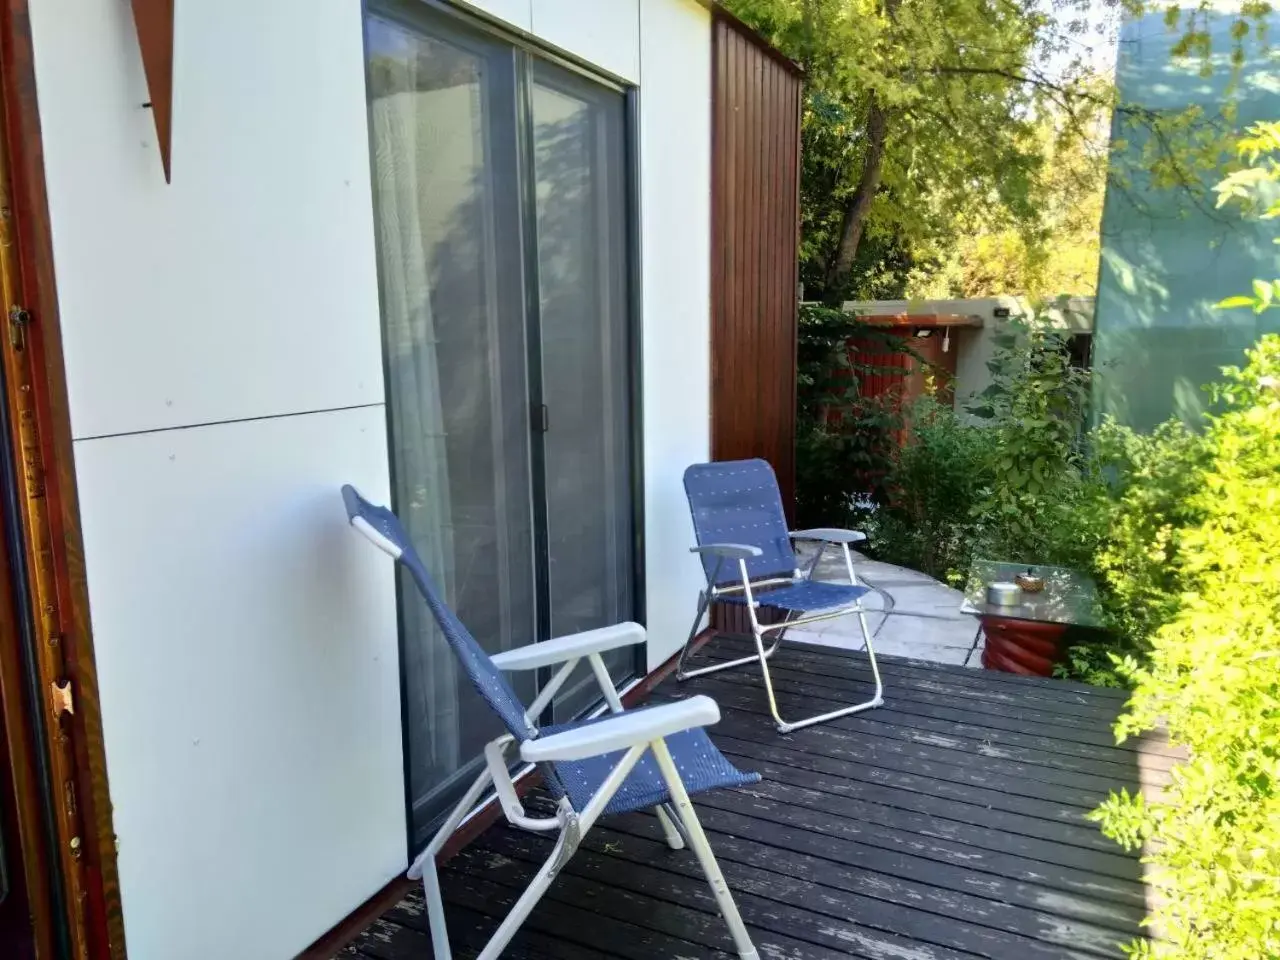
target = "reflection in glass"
x: 579, y: 160
x: 449, y: 255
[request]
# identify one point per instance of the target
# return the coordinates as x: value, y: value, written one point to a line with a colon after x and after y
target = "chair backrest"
x: 737, y: 501
x: 383, y: 527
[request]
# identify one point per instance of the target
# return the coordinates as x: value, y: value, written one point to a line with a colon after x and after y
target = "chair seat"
x: 804, y: 596
x: 702, y: 767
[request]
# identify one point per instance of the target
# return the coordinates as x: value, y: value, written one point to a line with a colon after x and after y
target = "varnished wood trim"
x: 53, y: 521
x: 153, y: 20
x: 22, y: 744
x: 720, y: 11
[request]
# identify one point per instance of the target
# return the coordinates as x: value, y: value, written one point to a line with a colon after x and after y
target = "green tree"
x: 1212, y: 839
x: 911, y: 113
x: 1052, y: 255
x: 921, y: 120
x: 1207, y: 584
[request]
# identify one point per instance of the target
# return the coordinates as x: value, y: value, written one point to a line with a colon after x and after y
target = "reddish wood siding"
x: 755, y: 238
x: 755, y: 157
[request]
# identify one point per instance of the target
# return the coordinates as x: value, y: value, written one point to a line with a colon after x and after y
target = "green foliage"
x: 1056, y: 253
x: 992, y: 124
x: 844, y: 438
x: 1012, y: 479
x: 925, y: 519
x: 1195, y: 570
x: 1031, y: 510
x: 1140, y: 497
x: 956, y: 80
x: 1213, y: 677
x: 1151, y: 502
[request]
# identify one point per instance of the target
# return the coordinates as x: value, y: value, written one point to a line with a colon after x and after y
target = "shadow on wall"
x: 1169, y: 255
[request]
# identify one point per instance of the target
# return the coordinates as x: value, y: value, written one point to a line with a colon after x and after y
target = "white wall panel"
x: 247, y: 287
x: 247, y: 655
x: 518, y: 13
x: 675, y: 200
x: 603, y: 32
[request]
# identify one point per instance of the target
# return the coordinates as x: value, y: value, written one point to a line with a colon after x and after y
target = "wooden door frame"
x: 39, y: 434
x: 27, y: 851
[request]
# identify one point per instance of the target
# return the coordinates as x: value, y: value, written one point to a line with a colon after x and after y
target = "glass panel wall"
x: 501, y: 210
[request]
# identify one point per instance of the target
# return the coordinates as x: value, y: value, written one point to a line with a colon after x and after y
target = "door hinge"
x: 541, y: 418
x: 62, y: 699
x: 19, y: 320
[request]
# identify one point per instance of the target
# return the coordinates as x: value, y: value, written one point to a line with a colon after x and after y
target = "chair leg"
x: 702, y: 849
x: 671, y: 828
x: 682, y: 673
x: 785, y: 726
x: 424, y: 866
x: 435, y: 911
x: 521, y: 909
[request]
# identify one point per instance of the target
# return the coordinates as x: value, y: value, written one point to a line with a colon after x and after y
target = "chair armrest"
x: 571, y: 647
x: 829, y: 535
x: 730, y: 551
x: 622, y: 730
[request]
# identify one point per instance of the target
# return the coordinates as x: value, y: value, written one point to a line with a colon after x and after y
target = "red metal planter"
x: 1021, y: 646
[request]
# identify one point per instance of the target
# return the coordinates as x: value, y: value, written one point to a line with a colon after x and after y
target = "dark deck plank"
x: 948, y: 825
x: 1077, y: 833
x: 757, y: 841
x: 943, y: 763
x: 973, y: 725
x: 848, y: 676
x: 877, y: 774
x: 832, y: 667
x: 803, y: 878
x: 1098, y: 773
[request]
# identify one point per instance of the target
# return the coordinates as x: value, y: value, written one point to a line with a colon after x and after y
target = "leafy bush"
x: 1213, y: 677
x: 1148, y: 500
x: 844, y: 440
x: 925, y: 520
x: 1009, y: 481
x: 1043, y: 473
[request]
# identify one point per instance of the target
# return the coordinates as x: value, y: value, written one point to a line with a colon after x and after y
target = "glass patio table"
x: 1026, y: 637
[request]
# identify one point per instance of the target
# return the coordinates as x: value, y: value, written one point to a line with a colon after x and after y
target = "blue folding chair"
x: 650, y: 758
x: 738, y: 516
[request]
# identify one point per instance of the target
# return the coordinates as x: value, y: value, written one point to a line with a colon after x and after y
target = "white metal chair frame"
x: 633, y: 732
x: 740, y: 553
x: 624, y: 735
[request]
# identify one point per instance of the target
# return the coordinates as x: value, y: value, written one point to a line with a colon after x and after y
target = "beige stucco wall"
x: 976, y: 346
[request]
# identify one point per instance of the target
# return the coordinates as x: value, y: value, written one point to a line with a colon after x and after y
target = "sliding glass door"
x: 501, y: 205
x: 580, y: 173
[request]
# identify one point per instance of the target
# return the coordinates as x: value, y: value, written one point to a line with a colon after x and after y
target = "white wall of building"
x: 517, y: 13
x: 225, y: 376
x: 675, y: 187
x: 606, y: 34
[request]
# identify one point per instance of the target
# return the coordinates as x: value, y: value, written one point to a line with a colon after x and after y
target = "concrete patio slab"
x: 909, y: 613
x: 934, y: 653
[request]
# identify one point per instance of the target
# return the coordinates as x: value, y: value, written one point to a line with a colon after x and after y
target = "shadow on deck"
x: 947, y: 824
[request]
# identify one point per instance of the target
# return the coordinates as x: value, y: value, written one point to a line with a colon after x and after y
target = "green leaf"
x: 1261, y: 290
x: 1230, y: 303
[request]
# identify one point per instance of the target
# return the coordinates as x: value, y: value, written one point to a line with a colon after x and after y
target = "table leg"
x: 1022, y: 646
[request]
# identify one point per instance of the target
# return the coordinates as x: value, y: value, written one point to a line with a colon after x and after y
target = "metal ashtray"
x: 1004, y: 594
x: 1029, y: 582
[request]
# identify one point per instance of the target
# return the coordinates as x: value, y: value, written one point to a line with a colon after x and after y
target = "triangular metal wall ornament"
x: 154, y: 22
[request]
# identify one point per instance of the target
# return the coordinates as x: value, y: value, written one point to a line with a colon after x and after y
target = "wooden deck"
x: 946, y: 825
